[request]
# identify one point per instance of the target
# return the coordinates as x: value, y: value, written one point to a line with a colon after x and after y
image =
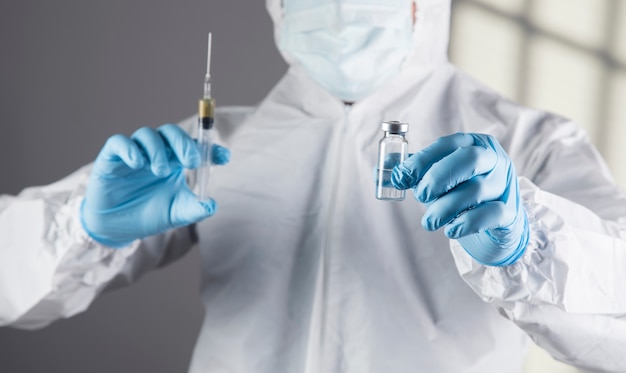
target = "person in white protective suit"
x: 516, y: 230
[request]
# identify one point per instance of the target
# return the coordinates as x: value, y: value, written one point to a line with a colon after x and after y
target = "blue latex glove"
x: 470, y: 187
x: 137, y: 187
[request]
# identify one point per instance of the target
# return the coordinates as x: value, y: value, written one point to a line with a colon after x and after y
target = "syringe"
x: 206, y: 112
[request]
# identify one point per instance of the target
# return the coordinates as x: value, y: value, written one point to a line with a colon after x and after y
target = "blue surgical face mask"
x: 349, y: 49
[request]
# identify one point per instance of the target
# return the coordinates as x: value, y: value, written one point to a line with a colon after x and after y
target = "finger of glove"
x: 119, y: 148
x: 410, y: 172
x: 183, y: 148
x: 220, y: 155
x: 155, y: 150
x: 188, y: 209
x: 488, y: 215
x: 466, y: 196
x: 392, y: 160
x: 461, y: 165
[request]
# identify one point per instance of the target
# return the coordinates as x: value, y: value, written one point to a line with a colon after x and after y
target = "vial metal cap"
x: 394, y: 127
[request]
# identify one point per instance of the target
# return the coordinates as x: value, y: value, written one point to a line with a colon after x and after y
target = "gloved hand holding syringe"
x: 137, y: 186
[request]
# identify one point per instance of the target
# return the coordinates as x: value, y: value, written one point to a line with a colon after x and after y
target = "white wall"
x: 567, y: 57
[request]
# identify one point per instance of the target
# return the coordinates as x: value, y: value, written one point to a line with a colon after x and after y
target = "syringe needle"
x: 208, y: 57
x: 207, y: 77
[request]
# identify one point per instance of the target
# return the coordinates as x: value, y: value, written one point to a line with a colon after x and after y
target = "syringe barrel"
x: 203, y: 172
x: 206, y: 115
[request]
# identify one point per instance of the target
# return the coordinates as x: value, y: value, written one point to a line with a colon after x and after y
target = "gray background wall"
x: 74, y: 72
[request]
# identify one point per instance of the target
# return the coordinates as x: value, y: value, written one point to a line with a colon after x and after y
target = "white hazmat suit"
x: 305, y: 271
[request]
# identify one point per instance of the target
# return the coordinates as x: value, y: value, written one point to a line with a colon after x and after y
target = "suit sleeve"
x: 568, y: 291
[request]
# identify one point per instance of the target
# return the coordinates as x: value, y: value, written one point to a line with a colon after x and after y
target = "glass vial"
x: 392, y: 150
